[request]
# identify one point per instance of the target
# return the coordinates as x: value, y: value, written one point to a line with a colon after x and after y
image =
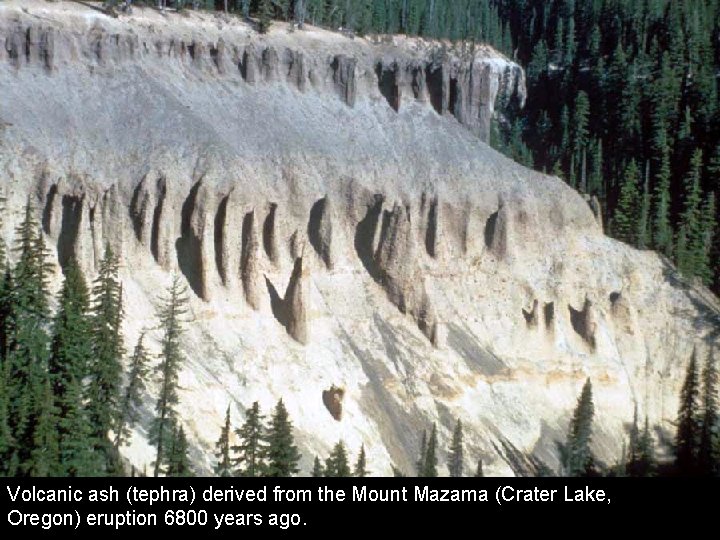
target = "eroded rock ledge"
x: 462, y: 82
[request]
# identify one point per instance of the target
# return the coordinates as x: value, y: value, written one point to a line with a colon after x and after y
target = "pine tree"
x: 646, y: 460
x: 690, y: 245
x: 455, y: 454
x: 265, y: 13
x: 131, y: 399
x: 687, y: 437
x: 479, y: 473
x: 336, y: 465
x: 627, y: 211
x: 251, y: 450
x: 431, y: 460
x: 105, y: 369
x: 633, y: 446
x: 420, y: 464
x: 318, y: 470
x: 705, y: 240
x: 578, y: 456
x: 361, y: 464
x: 281, y: 454
x: 709, y: 449
x: 643, y: 223
x: 662, y: 229
x: 170, y: 314
x: 27, y: 342
x: 68, y: 367
x: 45, y: 453
x: 224, y: 465
x: 177, y: 462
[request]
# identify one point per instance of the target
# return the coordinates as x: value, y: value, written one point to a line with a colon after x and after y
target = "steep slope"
x: 352, y: 245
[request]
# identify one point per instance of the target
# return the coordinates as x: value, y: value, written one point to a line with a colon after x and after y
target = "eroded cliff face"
x: 330, y: 204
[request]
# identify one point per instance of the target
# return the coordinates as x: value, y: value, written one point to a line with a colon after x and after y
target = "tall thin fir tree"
x: 68, y: 367
x: 281, y: 454
x: 690, y: 243
x: 177, y: 462
x: 687, y: 436
x: 420, y: 464
x: 27, y: 345
x: 578, y: 456
x: 105, y: 370
x: 127, y: 413
x: 171, y: 315
x: 223, y: 467
x: 647, y: 461
x: 455, y: 454
x: 360, y: 470
x: 336, y: 465
x: 709, y: 449
x: 431, y: 458
x: 249, y: 455
x: 265, y: 14
x: 626, y: 215
x: 318, y: 470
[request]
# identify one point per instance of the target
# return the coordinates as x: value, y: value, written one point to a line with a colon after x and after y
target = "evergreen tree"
x: 251, y: 450
x: 691, y: 245
x: 131, y: 399
x: 431, y: 460
x: 336, y: 465
x: 177, y: 462
x: 647, y: 461
x: 578, y: 458
x: 361, y: 465
x: 318, y: 470
x: 171, y: 314
x: 704, y: 241
x: 455, y: 454
x: 68, y: 366
x: 626, y: 216
x: 420, y: 464
x: 105, y: 368
x: 265, y: 14
x: 224, y: 465
x: 709, y: 449
x: 687, y: 437
x: 281, y: 454
x: 643, y: 223
x: 27, y: 342
x: 45, y: 450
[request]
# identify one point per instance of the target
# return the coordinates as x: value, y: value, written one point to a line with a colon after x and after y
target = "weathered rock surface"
x: 428, y: 276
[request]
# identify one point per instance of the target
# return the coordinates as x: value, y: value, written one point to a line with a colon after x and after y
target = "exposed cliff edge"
x: 332, y: 207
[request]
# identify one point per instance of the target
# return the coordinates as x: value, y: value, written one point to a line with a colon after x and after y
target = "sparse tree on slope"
x: 431, y: 459
x: 224, y: 465
x: 131, y: 399
x: 336, y: 465
x: 361, y: 465
x: 578, y: 456
x: 108, y: 349
x: 318, y: 470
x: 686, y: 439
x: 171, y: 315
x: 455, y: 455
x: 709, y: 450
x: 281, y: 454
x: 251, y: 450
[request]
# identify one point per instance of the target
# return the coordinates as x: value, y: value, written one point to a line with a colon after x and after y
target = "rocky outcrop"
x: 332, y: 399
x: 296, y: 298
x: 465, y: 82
